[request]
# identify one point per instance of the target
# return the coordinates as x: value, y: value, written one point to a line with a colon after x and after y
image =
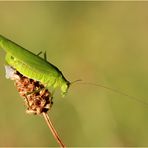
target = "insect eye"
x: 12, y: 57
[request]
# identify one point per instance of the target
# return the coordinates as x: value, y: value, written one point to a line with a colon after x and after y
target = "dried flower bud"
x: 11, y: 73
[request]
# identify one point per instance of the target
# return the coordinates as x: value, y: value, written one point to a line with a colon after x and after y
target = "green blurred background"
x: 101, y: 42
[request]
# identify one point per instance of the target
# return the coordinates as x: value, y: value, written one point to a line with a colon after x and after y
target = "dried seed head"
x: 37, y: 98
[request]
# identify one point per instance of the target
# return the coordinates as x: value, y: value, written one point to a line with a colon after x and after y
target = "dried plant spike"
x: 37, y: 98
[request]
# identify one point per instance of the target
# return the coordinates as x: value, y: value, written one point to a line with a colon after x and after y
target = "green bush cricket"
x: 33, y: 66
x: 37, y: 68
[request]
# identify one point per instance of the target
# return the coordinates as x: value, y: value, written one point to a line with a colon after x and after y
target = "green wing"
x: 27, y: 57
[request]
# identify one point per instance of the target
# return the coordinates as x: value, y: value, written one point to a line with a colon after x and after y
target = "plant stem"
x: 52, y: 129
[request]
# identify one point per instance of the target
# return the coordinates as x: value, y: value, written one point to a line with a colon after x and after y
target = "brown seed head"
x: 37, y: 98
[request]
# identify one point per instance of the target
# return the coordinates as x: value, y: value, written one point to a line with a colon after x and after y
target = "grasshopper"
x: 33, y: 66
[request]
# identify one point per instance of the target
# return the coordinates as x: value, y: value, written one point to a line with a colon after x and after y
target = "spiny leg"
x: 51, y: 97
x: 34, y: 91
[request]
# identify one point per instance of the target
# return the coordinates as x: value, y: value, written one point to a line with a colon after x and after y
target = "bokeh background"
x: 100, y: 42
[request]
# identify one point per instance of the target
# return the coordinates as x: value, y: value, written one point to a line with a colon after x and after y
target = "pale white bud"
x: 11, y: 73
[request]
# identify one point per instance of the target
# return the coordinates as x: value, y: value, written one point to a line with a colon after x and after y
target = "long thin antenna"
x: 75, y: 81
x: 52, y: 129
x: 116, y: 91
